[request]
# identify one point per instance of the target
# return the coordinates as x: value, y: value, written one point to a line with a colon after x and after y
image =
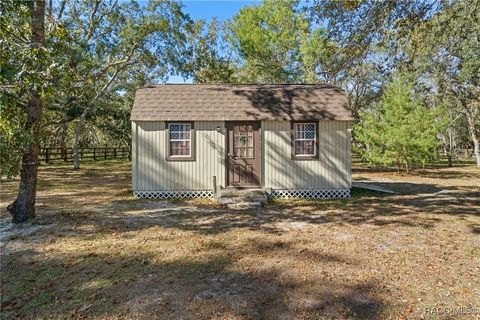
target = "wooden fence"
x: 65, y: 154
x: 457, y: 154
x: 98, y: 153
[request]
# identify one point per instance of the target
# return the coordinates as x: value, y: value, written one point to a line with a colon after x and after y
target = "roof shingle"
x: 226, y: 102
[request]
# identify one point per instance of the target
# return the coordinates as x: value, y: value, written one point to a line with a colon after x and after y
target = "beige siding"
x: 150, y: 170
x: 332, y: 170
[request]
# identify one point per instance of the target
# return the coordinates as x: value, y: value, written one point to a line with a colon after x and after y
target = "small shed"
x: 189, y: 140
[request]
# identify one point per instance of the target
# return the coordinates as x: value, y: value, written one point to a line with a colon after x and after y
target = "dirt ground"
x: 94, y: 252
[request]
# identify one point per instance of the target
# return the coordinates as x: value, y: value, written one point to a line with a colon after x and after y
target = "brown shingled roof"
x: 217, y: 102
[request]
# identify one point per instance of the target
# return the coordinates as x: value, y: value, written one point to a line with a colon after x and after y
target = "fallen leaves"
x: 370, y: 256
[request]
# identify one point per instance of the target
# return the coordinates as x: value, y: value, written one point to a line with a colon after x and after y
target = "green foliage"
x: 21, y: 69
x: 93, y: 51
x: 435, y: 43
x: 400, y: 130
x: 12, y: 137
x: 98, y: 53
x: 206, y: 62
x: 446, y: 59
x: 319, y: 56
x: 267, y: 38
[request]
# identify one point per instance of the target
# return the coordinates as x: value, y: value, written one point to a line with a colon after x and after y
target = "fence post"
x: 105, y: 153
x: 115, y: 152
x: 94, y: 155
x: 47, y: 156
x: 65, y: 154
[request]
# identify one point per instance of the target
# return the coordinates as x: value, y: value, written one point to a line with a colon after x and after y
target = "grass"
x: 97, y: 253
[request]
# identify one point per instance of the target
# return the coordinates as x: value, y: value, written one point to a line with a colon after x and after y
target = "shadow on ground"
x: 421, y: 210
x: 141, y: 286
x: 107, y: 255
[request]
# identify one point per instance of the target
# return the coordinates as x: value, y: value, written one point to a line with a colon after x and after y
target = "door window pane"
x: 243, y: 141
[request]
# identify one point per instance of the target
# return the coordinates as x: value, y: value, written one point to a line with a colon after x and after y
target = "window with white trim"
x: 180, y: 139
x: 305, y: 139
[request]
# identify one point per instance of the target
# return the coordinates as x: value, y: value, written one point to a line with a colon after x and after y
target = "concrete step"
x: 228, y: 200
x: 245, y: 205
x: 242, y: 193
x: 243, y: 198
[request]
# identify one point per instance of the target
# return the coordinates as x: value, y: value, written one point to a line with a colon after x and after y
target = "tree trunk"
x: 450, y: 148
x: 23, y: 208
x: 83, y: 116
x: 476, y: 143
x: 473, y: 133
x: 76, y: 140
x: 64, y: 142
x: 447, y: 149
x: 450, y: 160
x: 81, y: 122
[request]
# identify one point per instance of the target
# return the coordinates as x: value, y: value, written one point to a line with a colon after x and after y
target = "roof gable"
x: 225, y: 102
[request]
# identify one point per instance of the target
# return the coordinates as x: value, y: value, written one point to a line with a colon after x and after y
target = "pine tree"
x: 400, y: 130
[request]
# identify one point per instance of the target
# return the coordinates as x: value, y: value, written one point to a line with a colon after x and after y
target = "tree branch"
x: 92, y: 22
x: 119, y: 62
x: 62, y: 8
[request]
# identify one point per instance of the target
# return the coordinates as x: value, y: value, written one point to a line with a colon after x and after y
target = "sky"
x: 199, y: 9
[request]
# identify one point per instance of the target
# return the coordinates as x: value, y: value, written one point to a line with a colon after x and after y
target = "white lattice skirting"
x: 311, y: 193
x: 173, y: 194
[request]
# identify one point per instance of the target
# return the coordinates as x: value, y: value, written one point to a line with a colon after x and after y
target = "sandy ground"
x: 94, y: 252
